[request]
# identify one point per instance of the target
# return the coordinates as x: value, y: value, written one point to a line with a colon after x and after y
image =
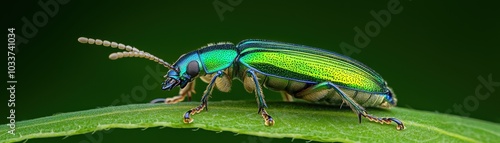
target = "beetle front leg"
x: 268, y: 120
x: 188, y: 90
x: 358, y: 109
x: 204, y: 100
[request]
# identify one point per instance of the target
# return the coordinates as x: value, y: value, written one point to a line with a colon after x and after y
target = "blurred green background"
x: 431, y: 53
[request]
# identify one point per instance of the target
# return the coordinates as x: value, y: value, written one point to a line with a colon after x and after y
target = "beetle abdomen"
x: 325, y: 96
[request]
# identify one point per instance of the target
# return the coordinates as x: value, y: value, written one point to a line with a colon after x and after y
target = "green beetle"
x: 295, y: 70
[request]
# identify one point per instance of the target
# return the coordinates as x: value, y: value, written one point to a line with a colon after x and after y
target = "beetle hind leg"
x: 386, y: 120
x: 319, y: 91
x: 358, y: 109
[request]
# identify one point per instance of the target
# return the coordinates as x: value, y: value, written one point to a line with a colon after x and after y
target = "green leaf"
x: 293, y: 120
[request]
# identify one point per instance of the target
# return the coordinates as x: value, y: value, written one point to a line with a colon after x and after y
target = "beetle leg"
x: 286, y: 97
x: 358, y: 109
x: 342, y: 104
x: 268, y: 120
x: 186, y: 91
x: 204, y: 99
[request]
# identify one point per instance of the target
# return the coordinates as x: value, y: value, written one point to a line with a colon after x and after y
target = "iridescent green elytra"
x: 294, y: 70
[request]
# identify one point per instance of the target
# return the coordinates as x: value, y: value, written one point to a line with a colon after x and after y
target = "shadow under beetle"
x: 298, y: 71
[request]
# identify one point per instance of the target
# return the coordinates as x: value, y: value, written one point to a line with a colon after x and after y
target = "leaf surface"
x: 293, y: 120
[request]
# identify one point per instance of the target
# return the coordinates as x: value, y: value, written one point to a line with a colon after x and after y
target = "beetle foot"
x: 157, y: 100
x: 187, y: 116
x: 171, y: 100
x: 268, y: 120
x: 386, y: 120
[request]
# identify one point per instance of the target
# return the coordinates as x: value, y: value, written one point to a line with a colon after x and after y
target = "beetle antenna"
x: 129, y: 51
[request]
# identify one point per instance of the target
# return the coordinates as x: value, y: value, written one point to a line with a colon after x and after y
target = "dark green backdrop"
x: 431, y: 53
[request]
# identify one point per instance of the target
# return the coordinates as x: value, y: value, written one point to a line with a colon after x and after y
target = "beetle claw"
x: 268, y: 120
x: 157, y: 100
x: 400, y: 127
x: 187, y: 116
x: 383, y: 120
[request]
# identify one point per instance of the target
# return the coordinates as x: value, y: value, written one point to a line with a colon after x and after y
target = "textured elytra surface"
x: 293, y: 120
x: 308, y: 64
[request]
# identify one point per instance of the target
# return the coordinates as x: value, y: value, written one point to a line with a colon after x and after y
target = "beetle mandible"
x: 294, y: 70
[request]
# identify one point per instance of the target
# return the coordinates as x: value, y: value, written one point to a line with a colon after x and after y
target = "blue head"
x: 183, y: 71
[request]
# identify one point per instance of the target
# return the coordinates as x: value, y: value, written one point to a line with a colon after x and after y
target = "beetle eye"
x: 193, y: 69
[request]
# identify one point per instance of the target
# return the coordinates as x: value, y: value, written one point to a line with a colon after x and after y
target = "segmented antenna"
x: 129, y: 51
